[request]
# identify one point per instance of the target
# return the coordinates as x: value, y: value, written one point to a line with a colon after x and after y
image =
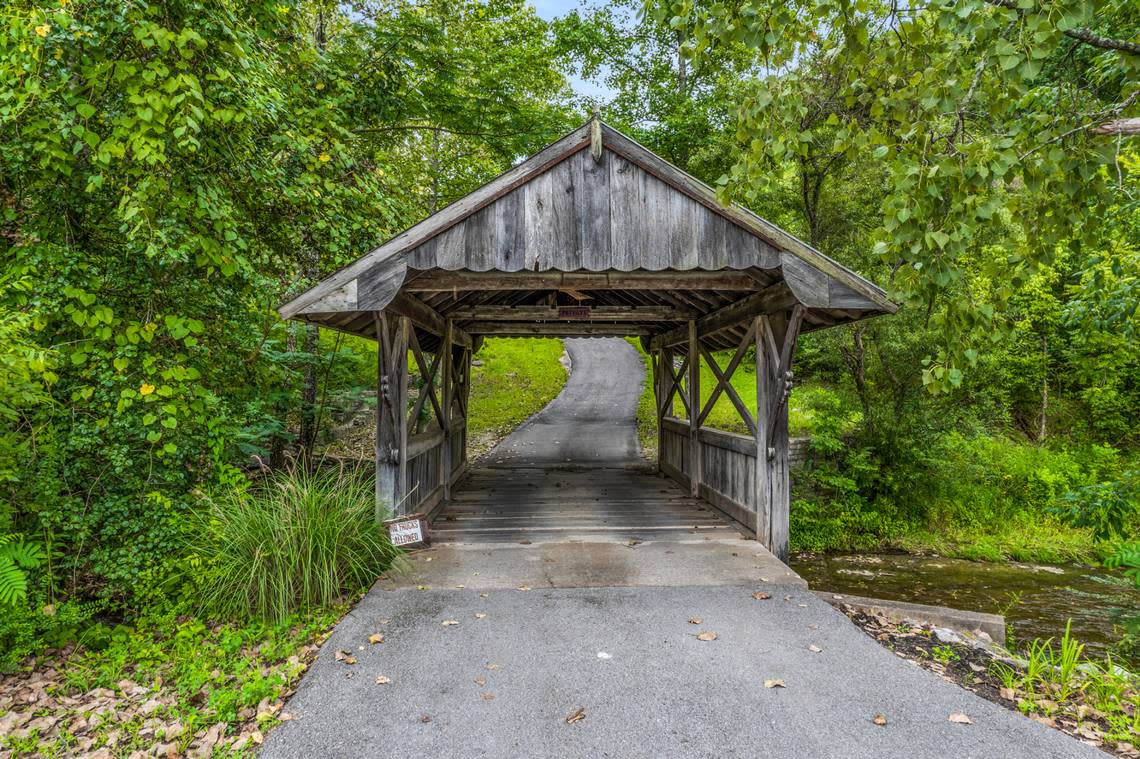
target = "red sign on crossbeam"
x: 574, y: 312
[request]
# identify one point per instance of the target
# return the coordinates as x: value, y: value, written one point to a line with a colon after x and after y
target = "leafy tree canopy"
x: 984, y: 116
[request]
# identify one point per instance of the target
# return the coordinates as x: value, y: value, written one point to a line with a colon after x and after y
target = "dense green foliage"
x: 168, y: 173
x: 976, y: 114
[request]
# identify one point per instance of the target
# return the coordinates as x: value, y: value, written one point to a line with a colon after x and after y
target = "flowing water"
x: 1036, y: 599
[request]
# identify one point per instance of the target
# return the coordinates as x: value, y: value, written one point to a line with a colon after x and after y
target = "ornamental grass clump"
x: 295, y: 542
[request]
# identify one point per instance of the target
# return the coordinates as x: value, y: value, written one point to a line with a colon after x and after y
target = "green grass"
x: 1056, y: 679
x: 517, y: 377
x: 293, y: 542
x: 724, y: 416
x: 1042, y: 540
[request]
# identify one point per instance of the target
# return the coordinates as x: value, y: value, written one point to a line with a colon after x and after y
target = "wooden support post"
x: 391, y: 409
x: 775, y: 349
x: 763, y: 396
x: 465, y: 392
x: 446, y: 356
x: 694, y: 411
x: 658, y: 362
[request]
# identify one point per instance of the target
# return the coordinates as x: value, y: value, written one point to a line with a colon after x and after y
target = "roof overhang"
x: 595, y: 234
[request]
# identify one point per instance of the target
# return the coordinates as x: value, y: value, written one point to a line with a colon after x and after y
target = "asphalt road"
x: 607, y: 630
x: 504, y: 684
x: 592, y: 421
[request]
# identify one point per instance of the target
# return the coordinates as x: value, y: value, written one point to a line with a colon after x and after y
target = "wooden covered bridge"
x: 594, y: 236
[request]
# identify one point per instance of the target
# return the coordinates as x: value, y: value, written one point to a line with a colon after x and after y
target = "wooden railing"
x: 727, y: 476
x: 426, y: 464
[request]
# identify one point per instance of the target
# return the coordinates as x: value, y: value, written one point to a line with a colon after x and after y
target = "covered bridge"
x: 594, y: 236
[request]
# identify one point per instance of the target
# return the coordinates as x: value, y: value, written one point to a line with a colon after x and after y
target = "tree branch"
x: 1084, y: 34
x: 434, y: 128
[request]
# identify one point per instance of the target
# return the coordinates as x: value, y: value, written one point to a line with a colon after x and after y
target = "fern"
x: 16, y: 556
x: 1127, y: 557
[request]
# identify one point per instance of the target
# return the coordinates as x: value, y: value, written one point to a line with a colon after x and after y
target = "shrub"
x: 294, y: 543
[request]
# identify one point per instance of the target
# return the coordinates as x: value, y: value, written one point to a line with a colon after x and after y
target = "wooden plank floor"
x: 505, y: 504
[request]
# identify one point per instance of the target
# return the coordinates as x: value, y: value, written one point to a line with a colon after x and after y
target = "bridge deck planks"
x: 505, y: 504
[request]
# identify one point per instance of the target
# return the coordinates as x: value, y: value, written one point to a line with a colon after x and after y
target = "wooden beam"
x: 761, y: 495
x: 775, y: 350
x: 447, y: 355
x: 659, y: 356
x: 443, y: 281
x: 773, y: 298
x: 426, y: 317
x: 694, y: 411
x: 558, y: 329
x: 392, y: 333
x: 554, y: 313
x: 596, y: 137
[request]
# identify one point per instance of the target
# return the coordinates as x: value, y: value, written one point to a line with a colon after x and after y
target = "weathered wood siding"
x: 583, y: 214
x: 727, y: 477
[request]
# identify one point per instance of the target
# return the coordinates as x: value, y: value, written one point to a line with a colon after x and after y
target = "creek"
x: 1036, y: 599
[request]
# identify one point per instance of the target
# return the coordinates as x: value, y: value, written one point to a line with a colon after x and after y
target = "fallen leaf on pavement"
x: 425, y: 718
x: 487, y: 696
x: 814, y: 648
x: 1007, y: 694
x: 480, y: 681
x: 345, y: 657
x: 285, y: 717
x: 492, y: 666
x: 383, y: 680
x: 961, y: 719
x: 777, y: 683
x: 375, y: 638
x: 421, y: 587
x: 449, y: 622
x: 695, y: 621
x: 577, y: 716
x: 480, y: 615
x: 524, y: 587
x: 761, y: 595
x: 706, y: 635
x: 880, y: 719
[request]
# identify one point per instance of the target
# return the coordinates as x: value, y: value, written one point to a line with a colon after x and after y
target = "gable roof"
x: 593, y: 201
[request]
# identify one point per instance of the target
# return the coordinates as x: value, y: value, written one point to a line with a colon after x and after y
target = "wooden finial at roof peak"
x: 596, y: 135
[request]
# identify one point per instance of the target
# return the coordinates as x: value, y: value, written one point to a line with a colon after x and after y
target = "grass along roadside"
x: 511, y: 380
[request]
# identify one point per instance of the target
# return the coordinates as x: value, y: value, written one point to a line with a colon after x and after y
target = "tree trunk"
x: 1042, y: 429
x: 308, y: 434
